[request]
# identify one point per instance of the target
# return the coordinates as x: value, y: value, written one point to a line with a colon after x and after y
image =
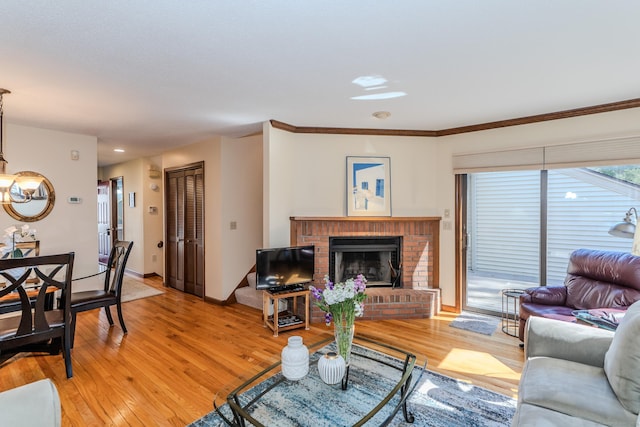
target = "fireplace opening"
x: 378, y: 258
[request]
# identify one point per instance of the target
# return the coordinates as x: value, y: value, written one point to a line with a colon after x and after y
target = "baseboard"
x: 140, y: 275
x: 450, y: 308
x: 215, y: 301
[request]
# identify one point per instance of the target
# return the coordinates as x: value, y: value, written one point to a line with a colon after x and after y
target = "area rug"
x: 478, y: 323
x: 133, y: 289
x: 437, y: 400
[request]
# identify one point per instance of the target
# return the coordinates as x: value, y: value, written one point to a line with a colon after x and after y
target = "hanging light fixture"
x: 27, y: 184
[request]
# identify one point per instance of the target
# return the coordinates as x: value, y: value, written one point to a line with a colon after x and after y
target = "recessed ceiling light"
x: 382, y: 95
x: 118, y: 150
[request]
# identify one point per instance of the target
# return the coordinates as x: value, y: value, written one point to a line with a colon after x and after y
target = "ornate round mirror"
x: 40, y: 205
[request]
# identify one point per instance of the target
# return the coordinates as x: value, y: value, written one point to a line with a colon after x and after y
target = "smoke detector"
x: 381, y: 115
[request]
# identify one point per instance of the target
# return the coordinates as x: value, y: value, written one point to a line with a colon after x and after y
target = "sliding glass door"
x: 503, y: 223
x: 523, y: 225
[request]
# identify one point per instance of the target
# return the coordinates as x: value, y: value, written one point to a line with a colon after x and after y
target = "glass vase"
x: 343, y: 332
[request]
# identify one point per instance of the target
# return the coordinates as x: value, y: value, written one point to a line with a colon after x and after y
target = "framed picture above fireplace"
x: 368, y: 186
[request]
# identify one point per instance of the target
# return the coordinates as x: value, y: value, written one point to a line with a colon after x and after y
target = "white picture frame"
x: 368, y: 186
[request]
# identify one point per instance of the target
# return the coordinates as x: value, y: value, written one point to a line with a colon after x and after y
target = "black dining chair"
x: 111, y: 294
x: 38, y: 327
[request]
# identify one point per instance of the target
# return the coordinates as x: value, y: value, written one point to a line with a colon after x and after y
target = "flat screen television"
x: 284, y: 268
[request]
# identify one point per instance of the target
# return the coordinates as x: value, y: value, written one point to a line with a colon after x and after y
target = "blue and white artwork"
x: 368, y: 186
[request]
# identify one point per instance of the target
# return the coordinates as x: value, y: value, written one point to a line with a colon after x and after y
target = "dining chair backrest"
x: 39, y: 325
x: 110, y: 294
x: 116, y: 265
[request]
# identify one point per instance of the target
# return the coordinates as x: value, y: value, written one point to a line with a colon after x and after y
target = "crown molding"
x: 576, y: 112
x: 351, y: 131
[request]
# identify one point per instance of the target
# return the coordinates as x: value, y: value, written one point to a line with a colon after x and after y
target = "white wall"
x: 140, y: 226
x: 241, y: 188
x: 153, y: 221
x: 307, y: 176
x: 131, y: 174
x: 69, y: 227
x: 233, y: 192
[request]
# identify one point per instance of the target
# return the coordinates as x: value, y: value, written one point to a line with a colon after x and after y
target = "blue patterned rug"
x: 437, y: 400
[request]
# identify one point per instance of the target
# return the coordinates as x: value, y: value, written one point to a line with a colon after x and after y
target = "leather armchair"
x: 596, y: 280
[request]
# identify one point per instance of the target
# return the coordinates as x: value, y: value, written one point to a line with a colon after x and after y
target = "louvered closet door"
x: 185, y: 229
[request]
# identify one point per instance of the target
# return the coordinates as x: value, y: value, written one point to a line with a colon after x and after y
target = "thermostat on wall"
x: 75, y: 200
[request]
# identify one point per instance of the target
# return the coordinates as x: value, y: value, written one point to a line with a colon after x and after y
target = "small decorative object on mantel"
x: 331, y: 368
x: 295, y: 359
x: 342, y: 303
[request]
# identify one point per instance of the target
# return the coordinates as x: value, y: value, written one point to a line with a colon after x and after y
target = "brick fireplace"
x: 417, y: 295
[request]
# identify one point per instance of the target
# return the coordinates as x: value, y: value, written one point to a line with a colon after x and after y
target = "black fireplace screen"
x: 378, y: 258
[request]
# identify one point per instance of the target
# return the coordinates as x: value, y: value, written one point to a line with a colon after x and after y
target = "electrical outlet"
x: 446, y: 225
x: 233, y: 225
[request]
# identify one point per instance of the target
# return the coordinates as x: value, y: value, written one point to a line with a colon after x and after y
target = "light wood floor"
x: 180, y: 352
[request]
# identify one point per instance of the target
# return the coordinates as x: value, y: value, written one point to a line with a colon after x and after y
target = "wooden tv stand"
x: 284, y: 321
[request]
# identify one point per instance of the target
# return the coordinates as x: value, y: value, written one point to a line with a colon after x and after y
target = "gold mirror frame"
x: 45, y: 193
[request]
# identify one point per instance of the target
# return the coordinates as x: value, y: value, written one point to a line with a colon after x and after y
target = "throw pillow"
x: 623, y: 359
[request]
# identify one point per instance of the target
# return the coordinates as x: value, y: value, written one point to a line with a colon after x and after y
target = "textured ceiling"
x: 149, y: 75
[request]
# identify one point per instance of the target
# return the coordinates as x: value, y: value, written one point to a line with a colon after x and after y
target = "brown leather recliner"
x: 595, y: 280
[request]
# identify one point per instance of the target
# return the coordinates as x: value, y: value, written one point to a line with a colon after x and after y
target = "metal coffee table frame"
x: 241, y: 415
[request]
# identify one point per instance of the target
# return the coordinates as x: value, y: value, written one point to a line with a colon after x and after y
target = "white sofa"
x: 577, y: 375
x: 35, y: 404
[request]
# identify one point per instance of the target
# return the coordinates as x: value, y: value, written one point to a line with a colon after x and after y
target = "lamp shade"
x: 29, y: 183
x: 623, y: 229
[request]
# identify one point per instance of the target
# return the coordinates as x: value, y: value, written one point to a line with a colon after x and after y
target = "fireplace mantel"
x: 366, y: 218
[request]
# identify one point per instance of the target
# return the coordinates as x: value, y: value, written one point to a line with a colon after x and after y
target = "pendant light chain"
x: 2, y: 160
x: 1, y: 117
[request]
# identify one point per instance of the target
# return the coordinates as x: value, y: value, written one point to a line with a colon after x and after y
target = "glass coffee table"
x: 380, y: 378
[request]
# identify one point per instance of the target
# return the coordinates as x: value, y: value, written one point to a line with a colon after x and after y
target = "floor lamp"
x: 627, y: 229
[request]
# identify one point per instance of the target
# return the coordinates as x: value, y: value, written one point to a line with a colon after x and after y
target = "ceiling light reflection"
x: 381, y: 95
x: 369, y: 81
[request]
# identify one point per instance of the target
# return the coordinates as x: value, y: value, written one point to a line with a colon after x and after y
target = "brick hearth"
x: 419, y: 296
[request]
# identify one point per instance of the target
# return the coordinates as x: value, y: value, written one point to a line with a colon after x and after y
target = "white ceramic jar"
x: 331, y: 368
x: 295, y: 359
